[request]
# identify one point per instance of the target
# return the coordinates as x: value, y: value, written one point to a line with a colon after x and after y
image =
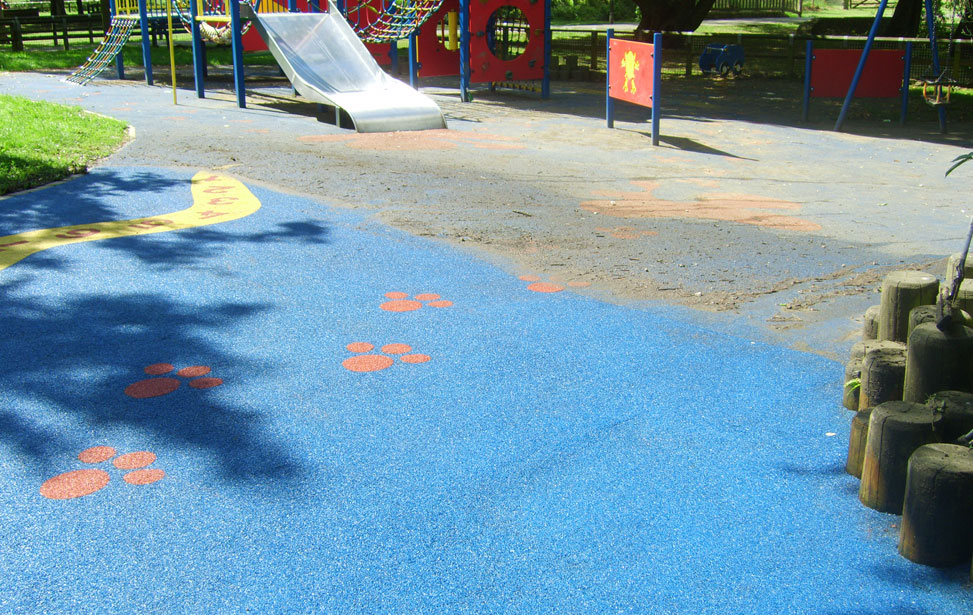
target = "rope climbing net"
x: 397, y: 20
x: 110, y: 46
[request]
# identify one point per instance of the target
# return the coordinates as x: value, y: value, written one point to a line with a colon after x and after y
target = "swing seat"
x: 936, y: 90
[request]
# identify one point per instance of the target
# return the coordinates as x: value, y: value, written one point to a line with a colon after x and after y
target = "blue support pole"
x: 656, y: 85
x: 394, y: 56
x: 861, y: 64
x: 906, y: 72
x: 609, y: 103
x: 237, y: 48
x: 291, y: 6
x: 546, y: 81
x: 413, y: 60
x: 340, y: 5
x: 464, y: 50
x: 936, y: 69
x: 146, y: 47
x: 808, y: 67
x: 119, y: 61
x: 314, y: 6
x: 199, y: 54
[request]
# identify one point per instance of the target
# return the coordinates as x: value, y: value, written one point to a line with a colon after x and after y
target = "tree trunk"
x: 672, y: 15
x: 906, y: 19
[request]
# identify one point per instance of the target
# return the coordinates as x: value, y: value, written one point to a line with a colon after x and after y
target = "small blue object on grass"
x: 721, y: 59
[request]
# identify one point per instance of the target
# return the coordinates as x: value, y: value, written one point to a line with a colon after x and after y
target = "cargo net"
x: 384, y: 21
x: 110, y: 46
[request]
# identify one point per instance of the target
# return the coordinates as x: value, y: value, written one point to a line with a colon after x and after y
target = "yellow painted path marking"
x: 216, y: 198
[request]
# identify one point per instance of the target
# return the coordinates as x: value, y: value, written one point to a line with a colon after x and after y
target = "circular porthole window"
x: 507, y: 33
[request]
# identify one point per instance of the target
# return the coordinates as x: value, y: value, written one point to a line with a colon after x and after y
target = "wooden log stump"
x: 938, y: 360
x: 857, y: 442
x: 883, y: 373
x: 930, y: 313
x: 851, y: 385
x: 957, y: 410
x: 895, y: 430
x: 964, y: 297
x: 902, y: 291
x: 870, y: 326
x: 937, y: 516
x: 952, y: 263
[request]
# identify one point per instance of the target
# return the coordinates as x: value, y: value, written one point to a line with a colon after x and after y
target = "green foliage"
x: 592, y: 11
x: 962, y: 159
x: 854, y: 384
x: 42, y: 142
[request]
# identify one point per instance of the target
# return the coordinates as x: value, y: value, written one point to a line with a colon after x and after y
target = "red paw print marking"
x: 79, y: 483
x: 377, y: 362
x: 154, y: 387
x: 400, y: 302
x: 538, y: 286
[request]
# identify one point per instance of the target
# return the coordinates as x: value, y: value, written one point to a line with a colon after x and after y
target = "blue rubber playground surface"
x: 273, y: 406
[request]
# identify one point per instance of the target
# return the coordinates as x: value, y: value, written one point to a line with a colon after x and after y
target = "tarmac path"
x: 425, y: 374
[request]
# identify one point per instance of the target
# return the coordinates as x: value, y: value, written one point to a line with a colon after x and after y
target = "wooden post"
x: 936, y: 525
x: 883, y: 373
x: 957, y: 410
x: 857, y: 441
x: 938, y: 361
x: 902, y: 291
x: 870, y: 326
x: 895, y: 430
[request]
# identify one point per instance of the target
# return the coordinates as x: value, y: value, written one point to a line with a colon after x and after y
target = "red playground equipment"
x: 485, y: 41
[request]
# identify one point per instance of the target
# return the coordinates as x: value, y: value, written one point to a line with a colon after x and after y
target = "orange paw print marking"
x: 538, y: 286
x: 378, y: 362
x: 743, y: 208
x: 400, y: 302
x: 155, y: 387
x: 79, y: 483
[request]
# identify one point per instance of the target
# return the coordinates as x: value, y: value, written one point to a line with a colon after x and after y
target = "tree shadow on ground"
x: 768, y: 101
x: 70, y: 352
x: 75, y: 358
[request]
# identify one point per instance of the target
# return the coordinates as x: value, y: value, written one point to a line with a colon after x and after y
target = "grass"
x: 43, y: 142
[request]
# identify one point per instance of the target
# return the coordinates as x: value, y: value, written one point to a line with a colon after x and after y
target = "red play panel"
x: 631, y: 71
x: 484, y: 65
x: 833, y: 69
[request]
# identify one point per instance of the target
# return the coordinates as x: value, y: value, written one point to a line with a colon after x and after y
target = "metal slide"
x: 327, y: 63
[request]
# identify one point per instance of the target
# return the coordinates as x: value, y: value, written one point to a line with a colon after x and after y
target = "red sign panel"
x: 833, y: 69
x: 630, y: 67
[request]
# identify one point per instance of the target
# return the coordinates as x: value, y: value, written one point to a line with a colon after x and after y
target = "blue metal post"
x: 237, y: 47
x: 119, y: 61
x: 314, y: 6
x: 291, y: 6
x: 394, y: 56
x: 906, y: 73
x: 934, y: 48
x: 546, y: 81
x: 808, y: 67
x: 609, y: 103
x: 146, y: 46
x: 656, y: 85
x: 199, y: 54
x: 861, y: 64
x: 414, y: 60
x: 340, y: 5
x: 464, y: 50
